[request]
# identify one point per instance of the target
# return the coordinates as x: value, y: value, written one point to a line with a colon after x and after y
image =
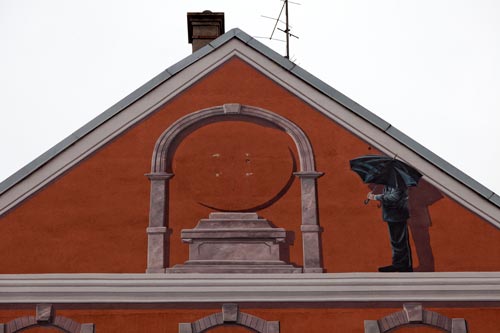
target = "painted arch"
x: 161, y: 172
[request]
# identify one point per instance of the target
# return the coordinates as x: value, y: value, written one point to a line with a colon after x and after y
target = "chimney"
x: 204, y: 28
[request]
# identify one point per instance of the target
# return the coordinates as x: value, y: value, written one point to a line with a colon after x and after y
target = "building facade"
x: 218, y: 197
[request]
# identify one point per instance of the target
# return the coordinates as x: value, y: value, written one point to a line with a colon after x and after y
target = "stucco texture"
x: 94, y: 217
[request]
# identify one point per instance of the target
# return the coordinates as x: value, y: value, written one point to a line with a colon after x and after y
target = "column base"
x: 314, y: 270
x: 155, y: 270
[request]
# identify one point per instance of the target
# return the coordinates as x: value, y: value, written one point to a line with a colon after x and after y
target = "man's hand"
x: 371, y: 196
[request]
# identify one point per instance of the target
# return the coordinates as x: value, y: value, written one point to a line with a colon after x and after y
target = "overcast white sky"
x: 431, y: 68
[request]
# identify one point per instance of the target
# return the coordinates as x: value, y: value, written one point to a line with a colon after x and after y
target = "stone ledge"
x: 176, y: 288
x: 234, y: 267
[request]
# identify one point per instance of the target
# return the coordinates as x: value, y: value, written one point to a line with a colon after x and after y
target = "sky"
x: 430, y: 68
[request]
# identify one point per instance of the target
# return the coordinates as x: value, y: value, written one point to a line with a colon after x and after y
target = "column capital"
x: 308, y: 174
x: 159, y: 175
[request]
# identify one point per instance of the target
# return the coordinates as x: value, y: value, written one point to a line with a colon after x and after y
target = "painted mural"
x: 254, y: 180
x: 396, y: 177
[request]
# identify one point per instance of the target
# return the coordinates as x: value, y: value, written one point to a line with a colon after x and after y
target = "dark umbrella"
x: 377, y: 169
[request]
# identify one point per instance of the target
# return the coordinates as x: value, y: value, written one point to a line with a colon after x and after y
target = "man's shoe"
x: 391, y: 268
x: 387, y: 269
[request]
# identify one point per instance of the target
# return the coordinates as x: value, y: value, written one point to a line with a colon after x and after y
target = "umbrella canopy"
x: 385, y: 170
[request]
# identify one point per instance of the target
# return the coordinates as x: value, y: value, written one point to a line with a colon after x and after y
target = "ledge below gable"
x: 274, y: 288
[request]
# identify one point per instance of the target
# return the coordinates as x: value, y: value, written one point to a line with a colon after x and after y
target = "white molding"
x: 187, y: 288
x: 372, y: 135
x: 112, y: 128
x: 156, y: 98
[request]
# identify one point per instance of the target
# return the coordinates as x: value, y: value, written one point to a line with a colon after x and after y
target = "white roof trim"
x: 375, y: 137
x: 110, y: 129
x: 235, y: 43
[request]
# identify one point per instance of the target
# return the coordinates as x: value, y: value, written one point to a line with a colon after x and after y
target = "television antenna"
x: 287, y: 32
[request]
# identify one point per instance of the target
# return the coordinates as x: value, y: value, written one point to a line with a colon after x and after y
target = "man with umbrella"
x: 396, y: 176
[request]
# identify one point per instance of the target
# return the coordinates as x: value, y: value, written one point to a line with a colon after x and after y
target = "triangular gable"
x: 313, y: 91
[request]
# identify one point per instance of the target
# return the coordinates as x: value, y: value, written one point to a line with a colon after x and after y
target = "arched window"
x: 45, y: 317
x: 230, y: 316
x: 414, y: 314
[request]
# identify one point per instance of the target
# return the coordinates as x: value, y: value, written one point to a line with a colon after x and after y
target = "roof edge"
x: 369, y: 116
x: 287, y: 65
x: 125, y: 102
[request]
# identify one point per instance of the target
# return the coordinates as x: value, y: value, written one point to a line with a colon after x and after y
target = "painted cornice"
x: 187, y: 288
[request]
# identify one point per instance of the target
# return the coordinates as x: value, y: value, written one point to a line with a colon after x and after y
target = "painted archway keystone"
x: 161, y: 172
x: 230, y: 315
x: 414, y: 313
x: 45, y: 317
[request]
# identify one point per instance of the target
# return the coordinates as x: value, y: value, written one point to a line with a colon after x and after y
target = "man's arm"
x: 390, y: 195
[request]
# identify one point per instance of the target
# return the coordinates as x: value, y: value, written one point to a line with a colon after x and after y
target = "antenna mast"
x: 287, y: 31
x: 287, y: 26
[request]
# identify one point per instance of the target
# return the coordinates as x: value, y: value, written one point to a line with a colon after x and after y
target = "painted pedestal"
x: 234, y: 243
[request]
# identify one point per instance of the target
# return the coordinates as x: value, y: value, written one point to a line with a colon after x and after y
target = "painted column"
x: 157, y: 229
x: 310, y: 227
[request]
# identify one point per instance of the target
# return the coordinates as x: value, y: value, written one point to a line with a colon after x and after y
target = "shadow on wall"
x: 420, y: 198
x: 269, y: 202
x: 284, y: 247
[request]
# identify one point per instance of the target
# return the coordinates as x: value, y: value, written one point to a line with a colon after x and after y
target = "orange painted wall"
x: 321, y: 319
x: 93, y: 219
